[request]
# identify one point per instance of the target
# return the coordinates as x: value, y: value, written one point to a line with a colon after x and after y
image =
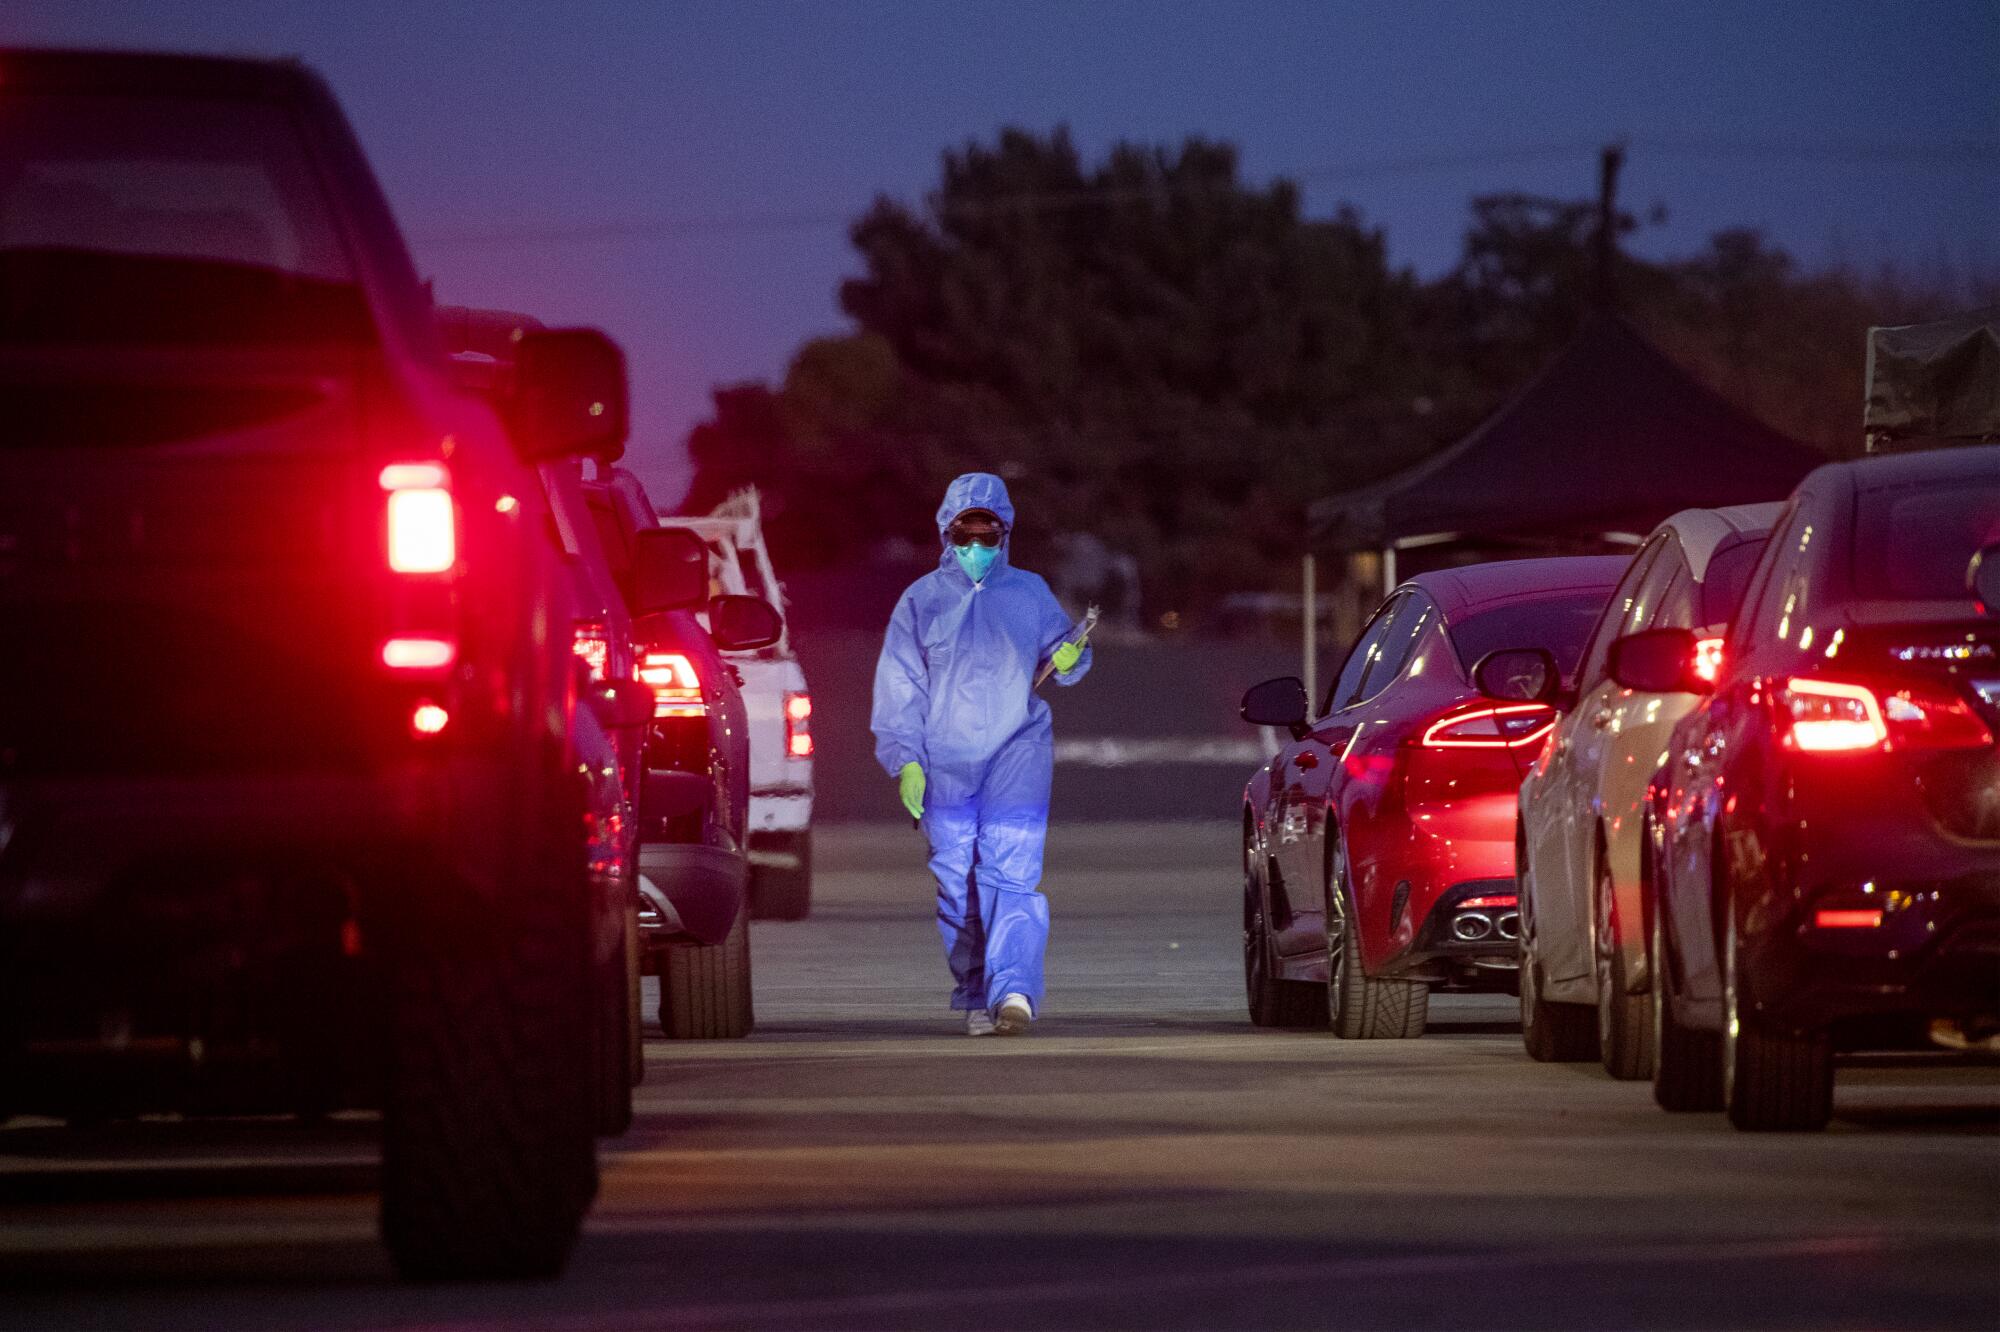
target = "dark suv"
x: 695, y: 797
x: 291, y: 813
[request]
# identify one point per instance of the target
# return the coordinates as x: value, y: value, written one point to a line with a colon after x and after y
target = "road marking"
x: 1119, y: 752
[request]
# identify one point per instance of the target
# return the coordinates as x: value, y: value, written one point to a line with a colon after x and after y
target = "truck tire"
x: 488, y: 1155
x: 705, y: 988
x: 784, y: 892
x: 617, y: 1025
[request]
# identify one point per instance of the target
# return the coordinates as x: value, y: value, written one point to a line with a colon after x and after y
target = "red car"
x: 1378, y: 845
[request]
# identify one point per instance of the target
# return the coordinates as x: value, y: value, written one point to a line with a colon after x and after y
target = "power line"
x: 1031, y: 201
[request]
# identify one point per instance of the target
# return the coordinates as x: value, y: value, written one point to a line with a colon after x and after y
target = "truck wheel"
x: 488, y: 1158
x: 617, y: 1025
x: 705, y: 988
x: 784, y: 892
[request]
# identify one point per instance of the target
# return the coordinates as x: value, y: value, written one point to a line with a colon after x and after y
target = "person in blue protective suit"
x: 958, y: 725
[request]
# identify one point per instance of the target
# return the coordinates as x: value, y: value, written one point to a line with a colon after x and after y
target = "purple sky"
x: 749, y: 131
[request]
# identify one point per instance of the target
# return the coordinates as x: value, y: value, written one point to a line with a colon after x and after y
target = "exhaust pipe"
x: 1509, y: 924
x: 1471, y: 926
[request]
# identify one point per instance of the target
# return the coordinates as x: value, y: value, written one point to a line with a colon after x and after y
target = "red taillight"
x: 1506, y: 726
x: 1837, y: 717
x: 428, y: 719
x: 418, y: 653
x: 1497, y: 900
x: 1708, y: 659
x: 798, y: 726
x: 1847, y: 920
x: 423, y: 528
x: 593, y: 644
x: 676, y: 687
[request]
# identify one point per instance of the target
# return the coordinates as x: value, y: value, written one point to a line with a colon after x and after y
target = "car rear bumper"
x: 1936, y: 953
x: 780, y: 809
x: 689, y: 891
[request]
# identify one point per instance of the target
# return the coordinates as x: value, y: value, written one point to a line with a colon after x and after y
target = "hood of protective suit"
x: 975, y: 490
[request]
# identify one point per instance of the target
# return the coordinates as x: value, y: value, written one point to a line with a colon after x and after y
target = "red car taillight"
x: 1840, y: 717
x: 593, y: 644
x: 422, y: 526
x: 1491, y: 726
x: 676, y: 687
x: 798, y: 726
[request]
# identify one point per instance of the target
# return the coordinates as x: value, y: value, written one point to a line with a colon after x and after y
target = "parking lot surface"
x: 1144, y: 1158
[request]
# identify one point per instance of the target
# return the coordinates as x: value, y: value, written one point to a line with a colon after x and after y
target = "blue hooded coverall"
x: 954, y: 692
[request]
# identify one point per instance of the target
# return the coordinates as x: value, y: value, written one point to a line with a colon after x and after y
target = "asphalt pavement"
x: 1143, y: 1158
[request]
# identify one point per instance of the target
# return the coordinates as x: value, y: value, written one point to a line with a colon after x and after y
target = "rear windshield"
x: 1912, y: 543
x: 1560, y: 622
x: 171, y: 220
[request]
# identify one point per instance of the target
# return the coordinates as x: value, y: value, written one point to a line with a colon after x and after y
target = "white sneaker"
x: 1013, y: 1015
x: 979, y: 1022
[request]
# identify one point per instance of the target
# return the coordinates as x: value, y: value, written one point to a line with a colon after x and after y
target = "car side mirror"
x: 1518, y: 675
x: 622, y: 702
x: 1658, y: 661
x: 1279, y: 702
x: 568, y: 398
x: 669, y: 570
x: 739, y: 623
x: 1982, y: 576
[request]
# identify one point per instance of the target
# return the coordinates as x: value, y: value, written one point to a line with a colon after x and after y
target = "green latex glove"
x: 1066, y: 656
x: 910, y: 786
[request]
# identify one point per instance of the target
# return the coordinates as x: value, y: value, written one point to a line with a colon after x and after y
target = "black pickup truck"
x: 291, y: 814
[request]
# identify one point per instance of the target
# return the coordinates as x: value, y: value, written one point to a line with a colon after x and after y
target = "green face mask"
x: 977, y: 561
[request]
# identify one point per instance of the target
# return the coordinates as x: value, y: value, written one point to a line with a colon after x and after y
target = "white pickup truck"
x: 779, y: 708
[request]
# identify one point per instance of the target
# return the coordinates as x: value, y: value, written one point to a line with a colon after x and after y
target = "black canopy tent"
x: 1610, y: 438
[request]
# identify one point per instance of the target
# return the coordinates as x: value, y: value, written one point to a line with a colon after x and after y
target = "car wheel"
x: 488, y: 1154
x: 1624, y: 1026
x: 1687, y: 1062
x: 1273, y: 1001
x: 784, y: 892
x: 705, y: 988
x: 1551, y: 1032
x: 1771, y: 1081
x: 1360, y: 1006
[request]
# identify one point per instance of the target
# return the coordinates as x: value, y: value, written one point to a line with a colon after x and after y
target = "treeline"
x: 1153, y: 351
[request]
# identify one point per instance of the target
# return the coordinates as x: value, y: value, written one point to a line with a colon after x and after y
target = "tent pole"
x: 1309, y: 617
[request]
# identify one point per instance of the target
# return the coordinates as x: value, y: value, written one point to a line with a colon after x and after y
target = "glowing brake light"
x: 428, y: 719
x: 676, y: 687
x: 1847, y: 920
x: 419, y: 654
x: 1507, y: 726
x: 1497, y: 900
x: 423, y: 528
x: 798, y: 726
x: 593, y: 644
x: 1708, y: 659
x: 1834, y: 717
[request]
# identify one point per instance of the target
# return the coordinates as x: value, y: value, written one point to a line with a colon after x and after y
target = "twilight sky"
x: 680, y: 173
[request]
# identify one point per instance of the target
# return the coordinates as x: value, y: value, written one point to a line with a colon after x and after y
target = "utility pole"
x: 1309, y: 608
x: 1604, y: 292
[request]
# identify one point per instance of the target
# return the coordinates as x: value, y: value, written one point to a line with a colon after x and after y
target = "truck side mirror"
x: 669, y: 570
x: 568, y: 398
x: 738, y: 623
